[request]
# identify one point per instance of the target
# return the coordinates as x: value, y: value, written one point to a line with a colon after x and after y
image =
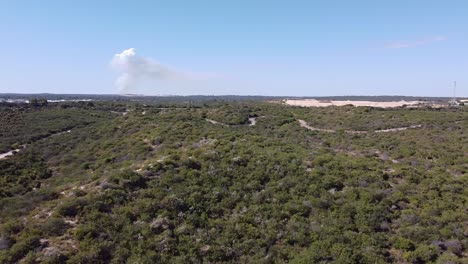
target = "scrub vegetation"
x: 130, y: 182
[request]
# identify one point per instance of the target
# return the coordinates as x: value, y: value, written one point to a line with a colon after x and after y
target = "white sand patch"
x: 253, y: 121
x: 9, y: 153
x: 324, y: 103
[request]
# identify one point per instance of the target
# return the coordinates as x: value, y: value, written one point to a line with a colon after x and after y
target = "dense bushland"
x: 142, y: 183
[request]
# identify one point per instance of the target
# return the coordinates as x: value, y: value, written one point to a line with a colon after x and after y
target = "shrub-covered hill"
x: 111, y: 182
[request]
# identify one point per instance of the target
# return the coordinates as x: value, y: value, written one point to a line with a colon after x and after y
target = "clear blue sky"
x: 244, y: 47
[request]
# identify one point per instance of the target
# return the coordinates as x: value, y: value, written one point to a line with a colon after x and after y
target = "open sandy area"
x: 323, y: 103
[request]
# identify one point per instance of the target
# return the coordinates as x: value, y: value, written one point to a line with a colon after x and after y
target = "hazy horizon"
x: 233, y: 95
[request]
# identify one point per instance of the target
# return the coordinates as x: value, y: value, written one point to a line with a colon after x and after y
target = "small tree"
x: 38, y: 102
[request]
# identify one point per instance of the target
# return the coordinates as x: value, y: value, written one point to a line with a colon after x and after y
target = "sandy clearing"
x: 324, y: 103
x: 253, y: 121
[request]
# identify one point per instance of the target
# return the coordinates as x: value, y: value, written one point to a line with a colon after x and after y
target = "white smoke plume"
x: 133, y: 68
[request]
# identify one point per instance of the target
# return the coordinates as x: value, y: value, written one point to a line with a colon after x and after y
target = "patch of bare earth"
x: 54, y: 247
x: 11, y: 152
x: 325, y: 103
x: 304, y: 124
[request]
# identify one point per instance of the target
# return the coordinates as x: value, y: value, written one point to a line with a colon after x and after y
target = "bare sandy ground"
x: 253, y: 121
x: 9, y: 153
x: 324, y: 103
x: 305, y: 125
x: 396, y: 129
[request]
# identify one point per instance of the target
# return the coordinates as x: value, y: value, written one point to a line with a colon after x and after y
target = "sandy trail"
x: 215, y: 122
x: 12, y: 152
x: 396, y: 129
x: 252, y: 120
x: 305, y: 125
x: 60, y: 133
x: 9, y: 153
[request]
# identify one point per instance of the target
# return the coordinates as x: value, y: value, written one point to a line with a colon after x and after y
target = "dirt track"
x: 252, y: 120
x: 9, y: 153
x: 304, y: 124
x: 216, y: 122
x: 12, y: 152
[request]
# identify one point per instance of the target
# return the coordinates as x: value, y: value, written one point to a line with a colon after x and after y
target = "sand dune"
x: 324, y: 103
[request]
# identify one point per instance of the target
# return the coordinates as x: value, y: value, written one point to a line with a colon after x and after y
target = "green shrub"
x: 54, y: 226
x: 403, y: 244
x: 128, y: 179
x: 71, y: 207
